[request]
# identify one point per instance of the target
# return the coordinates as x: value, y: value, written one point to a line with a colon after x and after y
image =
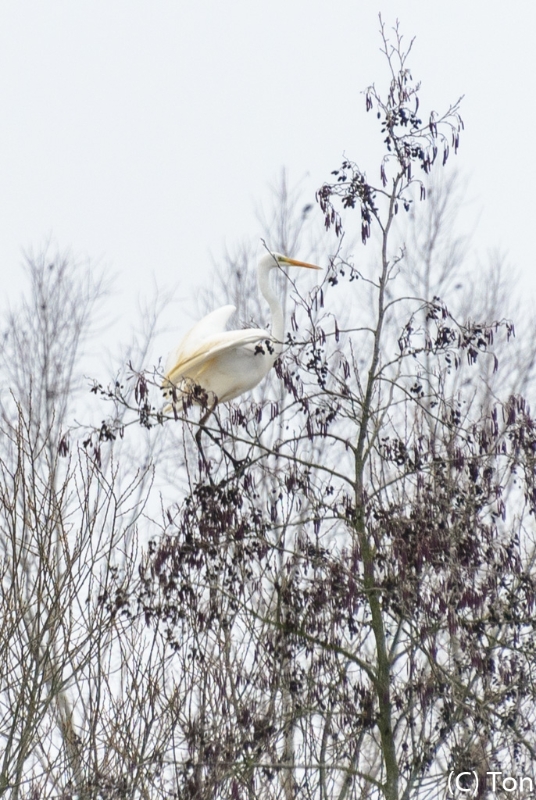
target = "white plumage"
x: 225, y: 364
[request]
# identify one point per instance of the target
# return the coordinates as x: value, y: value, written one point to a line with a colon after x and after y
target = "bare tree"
x: 71, y: 670
x: 354, y: 585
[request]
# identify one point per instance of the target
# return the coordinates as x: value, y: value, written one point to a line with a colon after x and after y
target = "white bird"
x: 225, y: 364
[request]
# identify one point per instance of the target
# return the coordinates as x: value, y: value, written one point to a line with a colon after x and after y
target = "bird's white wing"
x: 211, y: 325
x: 215, y: 346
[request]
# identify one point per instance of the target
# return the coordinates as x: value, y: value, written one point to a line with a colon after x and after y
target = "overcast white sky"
x: 141, y: 134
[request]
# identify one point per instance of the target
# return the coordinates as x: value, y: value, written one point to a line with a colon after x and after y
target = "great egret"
x: 225, y: 364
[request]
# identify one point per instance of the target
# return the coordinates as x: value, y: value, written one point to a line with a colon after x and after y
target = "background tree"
x: 72, y: 710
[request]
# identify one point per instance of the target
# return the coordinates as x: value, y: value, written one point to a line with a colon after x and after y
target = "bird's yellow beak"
x: 293, y: 262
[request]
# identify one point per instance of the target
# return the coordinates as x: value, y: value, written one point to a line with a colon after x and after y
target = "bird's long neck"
x: 278, y: 322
